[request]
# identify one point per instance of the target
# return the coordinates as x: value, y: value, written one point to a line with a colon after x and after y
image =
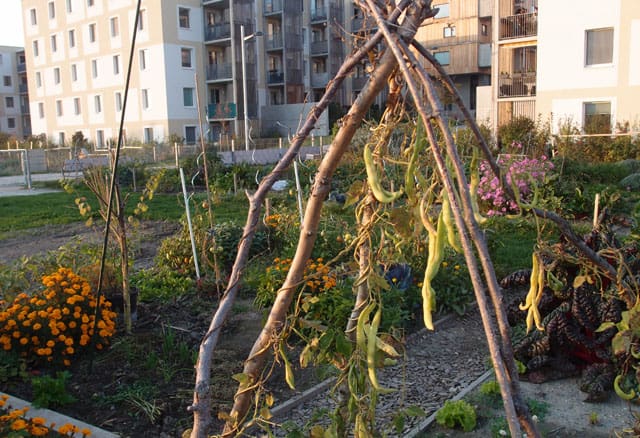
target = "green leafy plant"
x: 453, y: 285
x: 51, y: 392
x: 457, y: 413
x: 11, y: 366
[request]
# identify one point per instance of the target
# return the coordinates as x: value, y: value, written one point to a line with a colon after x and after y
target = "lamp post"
x: 244, y: 83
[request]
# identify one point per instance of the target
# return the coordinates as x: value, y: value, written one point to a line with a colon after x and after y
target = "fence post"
x: 155, y: 158
x: 175, y: 147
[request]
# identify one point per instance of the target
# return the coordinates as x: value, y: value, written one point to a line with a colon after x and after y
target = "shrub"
x: 51, y: 392
x: 531, y: 135
x: 520, y: 171
x: 56, y: 323
x: 161, y: 283
x: 453, y: 285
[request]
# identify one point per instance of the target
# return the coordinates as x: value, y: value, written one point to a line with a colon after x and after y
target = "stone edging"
x: 57, y: 418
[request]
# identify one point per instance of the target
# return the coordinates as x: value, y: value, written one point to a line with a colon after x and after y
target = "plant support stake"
x: 188, y: 210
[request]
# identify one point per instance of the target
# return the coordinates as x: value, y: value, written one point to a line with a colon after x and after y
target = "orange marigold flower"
x: 16, y: 334
x: 68, y: 341
x: 72, y: 324
x: 18, y: 424
x: 24, y: 341
x: 38, y: 431
x: 51, y: 343
x: 85, y: 432
x: 39, y: 421
x: 37, y: 326
x: 66, y: 362
x: 69, y: 350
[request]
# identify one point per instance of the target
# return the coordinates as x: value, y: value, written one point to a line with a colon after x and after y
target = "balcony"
x: 22, y: 67
x: 216, y: 72
x: 217, y: 32
x: 222, y: 111
x: 274, y: 42
x: 319, y: 47
x: 357, y: 83
x: 24, y: 109
x: 275, y: 77
x: 519, y: 26
x: 23, y: 88
x: 517, y: 84
x: 273, y: 7
x: 215, y: 2
x: 319, y: 15
x: 319, y: 80
x: 360, y: 24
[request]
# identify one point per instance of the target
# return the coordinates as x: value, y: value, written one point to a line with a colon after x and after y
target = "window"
x: 52, y: 10
x: 92, y: 33
x: 74, y: 72
x: 56, y: 75
x: 190, y: 134
x: 8, y: 102
x: 148, y: 135
x: 141, y: 19
x: 38, y: 79
x: 183, y: 18
x: 34, y: 17
x: 36, y: 50
x: 185, y: 55
x: 484, y: 30
x: 61, y: 138
x: 41, y: 110
x: 118, y: 100
x: 59, y: 108
x: 69, y: 5
x: 143, y: 59
x: 72, y: 38
x: 443, y: 10
x: 7, y: 81
x: 599, y: 46
x: 116, y: 64
x: 54, y: 43
x: 11, y: 123
x: 97, y: 104
x: 94, y: 68
x: 187, y: 97
x: 443, y: 58
x: 597, y: 117
x: 90, y: 3
x: 114, y: 27
x: 99, y: 138
x: 145, y: 98
x: 76, y: 105
x: 449, y: 31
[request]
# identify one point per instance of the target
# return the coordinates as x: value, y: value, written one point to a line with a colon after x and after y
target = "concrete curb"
x: 57, y: 418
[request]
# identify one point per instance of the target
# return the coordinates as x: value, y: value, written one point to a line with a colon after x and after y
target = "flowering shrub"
x: 317, y: 278
x: 56, y: 323
x: 13, y: 423
x: 523, y: 172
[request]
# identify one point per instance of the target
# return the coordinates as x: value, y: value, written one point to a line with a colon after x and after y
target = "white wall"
x: 561, y: 44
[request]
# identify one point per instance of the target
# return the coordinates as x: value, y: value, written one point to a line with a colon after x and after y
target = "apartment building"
x: 14, y: 96
x: 564, y: 62
x: 459, y: 37
x: 77, y: 54
x: 589, y: 66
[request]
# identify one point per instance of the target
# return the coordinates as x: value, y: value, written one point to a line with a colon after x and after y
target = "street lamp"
x: 244, y: 83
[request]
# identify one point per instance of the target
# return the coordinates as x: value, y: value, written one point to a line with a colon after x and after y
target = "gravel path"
x: 438, y: 365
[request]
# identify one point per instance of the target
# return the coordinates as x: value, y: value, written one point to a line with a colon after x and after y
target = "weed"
x: 11, y: 366
x: 51, y: 392
x: 593, y: 418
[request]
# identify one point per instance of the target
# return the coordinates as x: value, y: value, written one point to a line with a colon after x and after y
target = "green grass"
x: 24, y: 212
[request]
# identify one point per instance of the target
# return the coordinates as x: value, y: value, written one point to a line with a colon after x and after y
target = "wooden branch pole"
x: 201, y: 406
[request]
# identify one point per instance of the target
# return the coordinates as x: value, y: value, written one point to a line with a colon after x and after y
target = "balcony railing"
x: 319, y: 14
x: 275, y: 77
x: 519, y: 26
x: 517, y: 85
x: 24, y: 109
x: 359, y: 24
x: 219, y: 71
x: 22, y: 67
x: 319, y: 80
x: 274, y: 42
x: 272, y: 6
x: 319, y: 47
x: 219, y: 111
x: 23, y: 88
x: 217, y: 32
x: 358, y: 83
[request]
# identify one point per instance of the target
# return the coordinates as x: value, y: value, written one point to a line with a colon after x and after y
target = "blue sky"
x: 11, y: 33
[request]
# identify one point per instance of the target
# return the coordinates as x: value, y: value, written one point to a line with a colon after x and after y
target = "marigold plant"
x: 15, y: 423
x: 55, y: 324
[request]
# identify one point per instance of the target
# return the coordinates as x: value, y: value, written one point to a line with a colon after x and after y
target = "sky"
x: 11, y: 33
